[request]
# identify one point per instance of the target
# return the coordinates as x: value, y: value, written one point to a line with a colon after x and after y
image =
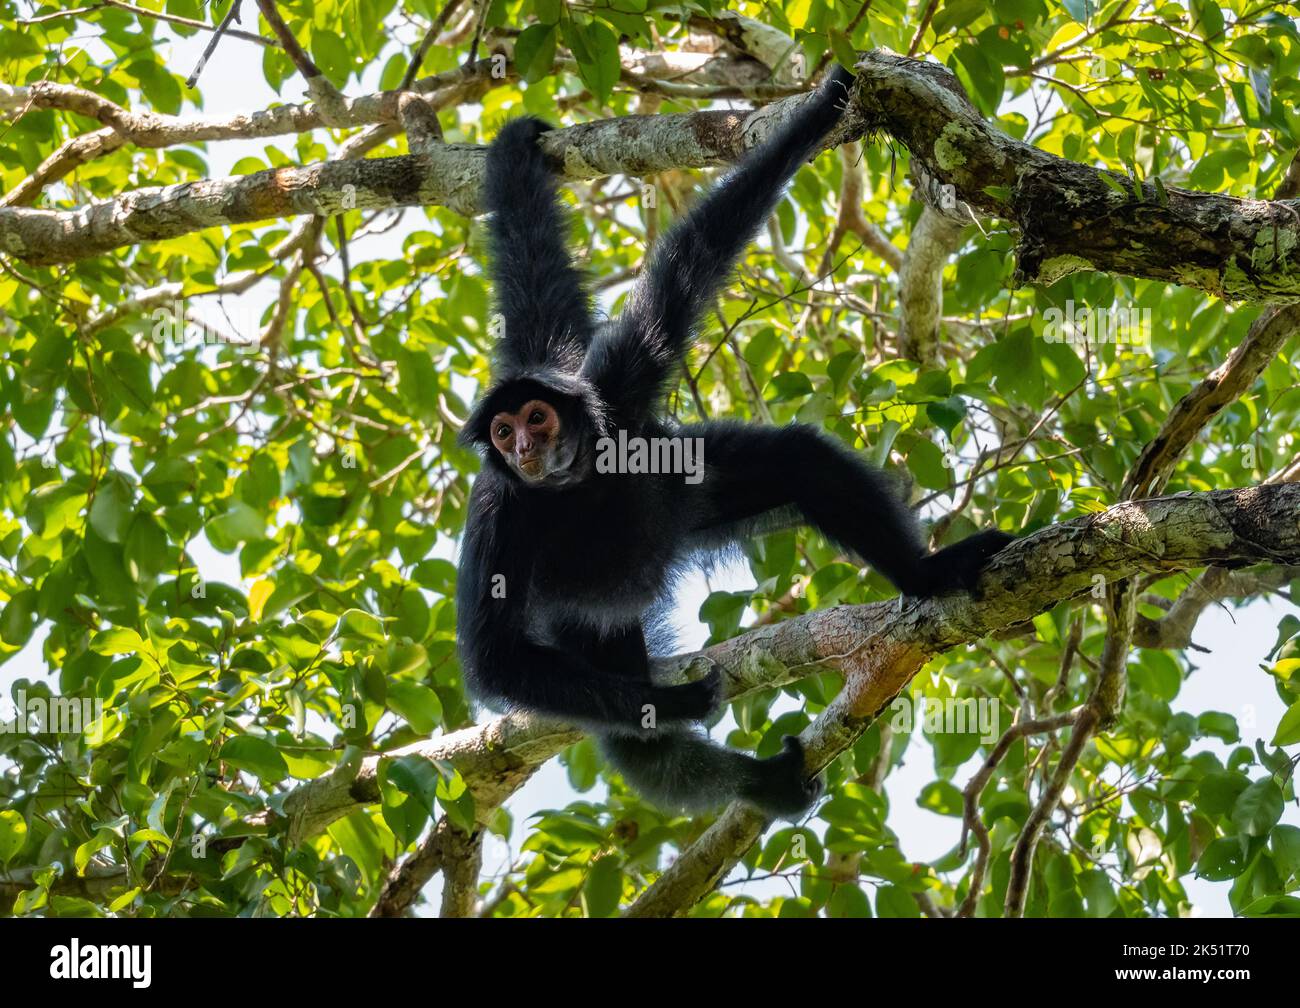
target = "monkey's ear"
x: 475, y: 432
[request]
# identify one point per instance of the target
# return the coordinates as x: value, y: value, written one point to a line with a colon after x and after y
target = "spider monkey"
x: 564, y: 566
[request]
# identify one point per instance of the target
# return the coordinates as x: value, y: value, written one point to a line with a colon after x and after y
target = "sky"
x: 1228, y: 677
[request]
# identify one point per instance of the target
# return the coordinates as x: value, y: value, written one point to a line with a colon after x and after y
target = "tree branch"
x: 449, y: 175
x: 1174, y: 629
x: 448, y: 850
x: 1070, y: 216
x: 920, y: 285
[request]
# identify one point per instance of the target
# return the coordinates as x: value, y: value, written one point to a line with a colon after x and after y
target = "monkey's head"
x: 543, y: 433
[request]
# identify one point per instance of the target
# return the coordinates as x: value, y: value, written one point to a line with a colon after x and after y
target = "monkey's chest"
x: 604, y: 570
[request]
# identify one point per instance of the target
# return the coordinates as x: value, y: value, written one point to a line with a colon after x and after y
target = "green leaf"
x: 358, y: 623
x: 115, y: 641
x: 947, y: 413
x: 415, y: 776
x: 1207, y: 18
x: 942, y: 797
x: 790, y: 385
x: 1098, y: 893
x: 333, y: 55
x: 595, y: 47
x: 1284, y: 840
x: 1288, y: 729
x: 13, y: 834
x: 982, y: 76
x: 418, y: 704
x: 129, y: 374
x: 405, y: 818
x: 257, y: 756
x: 1273, y: 906
x: 535, y: 52
x: 1223, y: 859
x: 1218, y: 791
x: 849, y: 901
x: 239, y: 523
x: 1219, y: 725
x: 927, y: 462
x: 1018, y: 369
x: 110, y: 513
x: 1258, y: 808
x: 603, y: 887
x: 18, y: 619
x: 842, y: 47
x: 146, y: 549
x: 891, y: 901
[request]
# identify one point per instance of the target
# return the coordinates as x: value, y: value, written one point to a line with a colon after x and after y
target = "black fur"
x: 557, y: 578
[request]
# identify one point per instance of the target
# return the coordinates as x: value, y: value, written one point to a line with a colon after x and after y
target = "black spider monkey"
x: 562, y: 566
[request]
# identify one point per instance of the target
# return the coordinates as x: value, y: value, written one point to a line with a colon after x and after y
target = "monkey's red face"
x: 529, y: 439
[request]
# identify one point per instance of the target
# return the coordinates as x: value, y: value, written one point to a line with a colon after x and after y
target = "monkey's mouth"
x: 531, y: 467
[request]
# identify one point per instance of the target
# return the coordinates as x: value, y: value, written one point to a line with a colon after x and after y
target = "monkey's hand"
x: 958, y: 567
x: 828, y: 103
x: 838, y: 85
x: 693, y: 701
x: 517, y: 140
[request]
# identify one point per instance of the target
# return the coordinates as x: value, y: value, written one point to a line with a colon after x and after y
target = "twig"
x: 231, y: 16
x: 971, y: 822
x: 434, y: 31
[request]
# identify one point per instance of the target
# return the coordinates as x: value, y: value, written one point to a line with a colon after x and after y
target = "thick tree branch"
x: 685, y: 75
x: 151, y: 15
x: 1071, y: 216
x: 881, y: 654
x: 764, y: 43
x: 448, y: 175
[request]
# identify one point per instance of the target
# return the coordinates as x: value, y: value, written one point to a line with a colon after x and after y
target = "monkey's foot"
x: 781, y: 787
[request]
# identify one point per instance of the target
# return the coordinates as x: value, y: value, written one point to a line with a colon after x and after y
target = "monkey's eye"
x: 536, y: 417
x: 503, y: 432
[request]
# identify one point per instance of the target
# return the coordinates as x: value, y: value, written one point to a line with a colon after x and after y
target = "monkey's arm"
x: 538, y: 291
x: 505, y: 668
x: 689, y: 264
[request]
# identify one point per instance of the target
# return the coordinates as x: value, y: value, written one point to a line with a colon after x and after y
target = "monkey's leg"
x: 620, y: 653
x: 750, y: 470
x: 683, y: 770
